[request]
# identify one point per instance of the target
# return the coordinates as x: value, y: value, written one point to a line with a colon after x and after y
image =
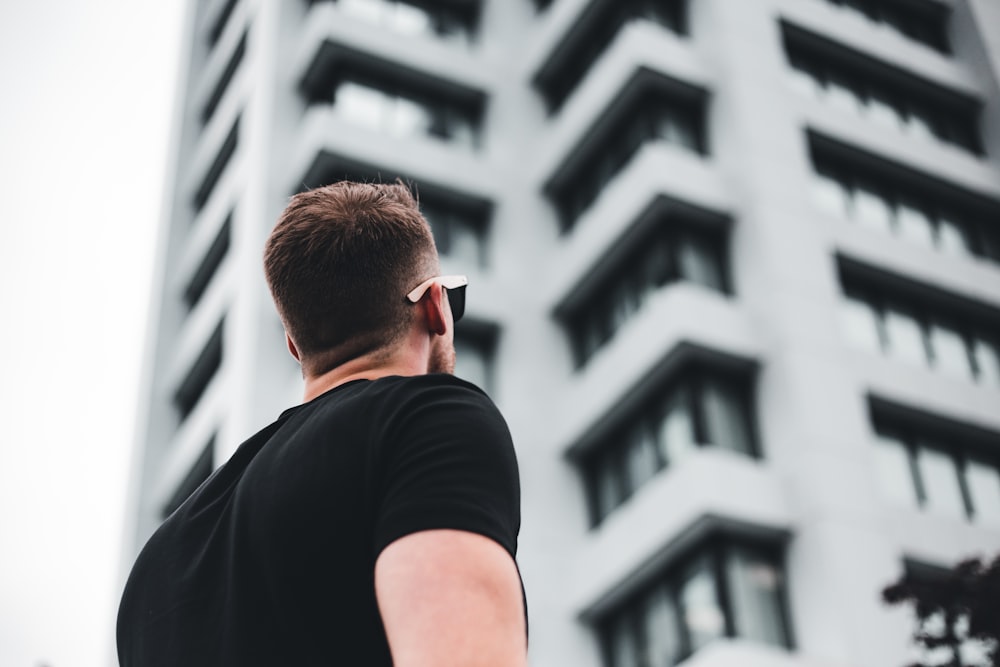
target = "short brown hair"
x: 339, y: 262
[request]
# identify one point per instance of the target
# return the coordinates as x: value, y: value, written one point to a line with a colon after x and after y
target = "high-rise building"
x: 734, y: 281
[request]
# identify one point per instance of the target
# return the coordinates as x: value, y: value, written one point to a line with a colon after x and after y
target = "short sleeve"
x: 448, y: 463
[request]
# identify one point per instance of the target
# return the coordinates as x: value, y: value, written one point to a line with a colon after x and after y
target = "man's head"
x: 339, y: 263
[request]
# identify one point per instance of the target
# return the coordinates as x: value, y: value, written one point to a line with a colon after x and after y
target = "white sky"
x: 87, y: 90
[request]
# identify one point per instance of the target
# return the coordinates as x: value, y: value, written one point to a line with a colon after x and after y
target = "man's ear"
x: 434, y: 306
x: 291, y: 347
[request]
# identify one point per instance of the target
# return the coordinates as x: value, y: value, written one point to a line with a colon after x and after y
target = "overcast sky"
x: 87, y: 90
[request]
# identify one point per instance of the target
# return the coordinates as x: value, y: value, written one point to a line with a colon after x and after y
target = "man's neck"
x: 361, y: 368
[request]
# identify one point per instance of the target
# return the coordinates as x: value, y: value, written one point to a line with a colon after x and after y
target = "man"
x: 377, y: 522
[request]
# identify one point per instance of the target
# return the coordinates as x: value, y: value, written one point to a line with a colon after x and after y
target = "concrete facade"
x: 812, y: 489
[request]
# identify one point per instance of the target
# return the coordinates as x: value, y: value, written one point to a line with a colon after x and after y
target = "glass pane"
x: 983, y: 482
x: 905, y: 337
x: 755, y: 590
x: 699, y: 263
x: 804, y: 82
x: 860, y: 323
x: 471, y: 363
x: 677, y: 128
x: 840, y: 93
x: 725, y: 417
x: 624, y: 644
x: 703, y: 618
x: 892, y: 462
x: 407, y: 19
x: 408, y: 118
x: 656, y: 264
x: 464, y: 244
x: 607, y: 485
x: 361, y: 104
x: 640, y: 458
x: 662, y: 640
x: 987, y: 357
x: 951, y: 236
x: 676, y: 432
x: 950, y: 352
x: 939, y: 474
x: 830, y: 195
x: 914, y: 225
x: 880, y: 109
x: 920, y: 124
x: 871, y: 210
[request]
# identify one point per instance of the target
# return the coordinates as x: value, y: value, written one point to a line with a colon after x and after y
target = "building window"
x: 218, y: 26
x: 700, y: 407
x: 587, y: 40
x: 922, y: 21
x: 723, y: 588
x: 659, y: 110
x: 459, y: 230
x: 881, y: 93
x: 199, y: 472
x: 938, y: 334
x: 224, y: 80
x: 938, y: 469
x: 672, y: 252
x: 439, y: 18
x: 201, y: 373
x: 460, y: 223
x: 392, y: 101
x: 908, y: 208
x: 218, y: 167
x: 209, y: 265
x: 475, y: 344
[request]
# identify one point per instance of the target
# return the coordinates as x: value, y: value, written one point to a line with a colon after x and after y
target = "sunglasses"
x: 453, y: 285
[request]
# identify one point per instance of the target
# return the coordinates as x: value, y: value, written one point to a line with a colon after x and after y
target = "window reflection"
x: 703, y: 617
x: 669, y: 254
x: 904, y: 212
x: 946, y: 342
x: 945, y: 475
x: 724, y: 588
x: 983, y: 482
x: 895, y: 471
x: 665, y: 431
x: 395, y: 112
x: 940, y: 480
x: 850, y: 82
x: 755, y: 591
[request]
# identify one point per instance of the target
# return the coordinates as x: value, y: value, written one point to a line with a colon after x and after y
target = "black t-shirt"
x: 271, y: 561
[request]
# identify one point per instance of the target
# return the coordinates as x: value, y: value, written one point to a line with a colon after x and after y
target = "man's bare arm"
x: 450, y: 597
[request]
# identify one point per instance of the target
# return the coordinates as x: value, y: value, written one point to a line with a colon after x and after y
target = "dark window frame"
x: 916, y: 430
x: 923, y: 21
x: 853, y: 169
x: 218, y: 167
x: 222, y: 85
x: 612, y: 449
x: 589, y: 37
x: 205, y: 367
x: 713, y: 552
x: 634, y: 119
x: 219, y: 23
x: 667, y: 236
x: 209, y: 265
x: 953, y: 117
x: 441, y: 100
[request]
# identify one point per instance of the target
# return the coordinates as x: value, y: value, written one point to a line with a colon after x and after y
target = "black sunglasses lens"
x: 456, y: 298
